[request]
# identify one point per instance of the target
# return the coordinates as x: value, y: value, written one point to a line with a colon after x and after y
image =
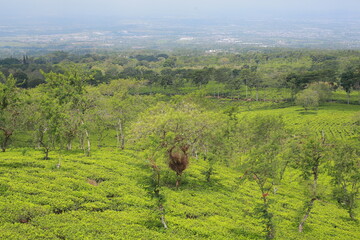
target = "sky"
x: 220, y: 9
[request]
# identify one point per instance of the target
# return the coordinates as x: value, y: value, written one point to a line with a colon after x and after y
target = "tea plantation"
x: 110, y: 194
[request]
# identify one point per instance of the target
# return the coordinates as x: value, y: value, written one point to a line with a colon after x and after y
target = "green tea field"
x: 110, y: 195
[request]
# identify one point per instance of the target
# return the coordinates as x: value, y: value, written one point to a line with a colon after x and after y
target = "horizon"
x: 40, y: 25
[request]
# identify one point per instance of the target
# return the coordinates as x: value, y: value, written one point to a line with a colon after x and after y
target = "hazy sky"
x: 25, y: 9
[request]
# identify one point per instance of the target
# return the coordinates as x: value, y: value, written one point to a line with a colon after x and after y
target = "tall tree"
x: 310, y: 154
x: 345, y: 171
x: 263, y: 141
x: 177, y: 131
x: 350, y: 79
x: 122, y: 105
x: 64, y: 97
x: 11, y: 104
x: 250, y: 78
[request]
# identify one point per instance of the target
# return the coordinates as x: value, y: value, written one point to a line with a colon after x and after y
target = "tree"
x: 121, y: 105
x: 11, y: 109
x: 46, y: 119
x: 201, y: 77
x: 170, y: 62
x: 100, y: 115
x: 222, y: 75
x: 309, y: 154
x: 345, y: 171
x: 63, y: 107
x: 323, y: 90
x: 175, y: 130
x: 156, y: 191
x: 292, y: 82
x: 167, y: 77
x: 21, y: 79
x: 10, y: 61
x: 350, y: 79
x: 70, y: 125
x: 232, y: 79
x: 307, y: 98
x: 250, y: 79
x: 264, y: 138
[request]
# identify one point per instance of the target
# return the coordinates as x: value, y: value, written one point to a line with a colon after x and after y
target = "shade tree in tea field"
x: 345, y: 171
x: 310, y: 154
x: 60, y: 108
x: 177, y: 131
x: 119, y: 105
x: 12, y: 109
x: 350, y: 79
x: 263, y: 141
x: 308, y: 99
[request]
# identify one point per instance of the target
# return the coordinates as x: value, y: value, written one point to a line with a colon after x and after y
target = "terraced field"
x: 108, y: 196
x: 335, y: 120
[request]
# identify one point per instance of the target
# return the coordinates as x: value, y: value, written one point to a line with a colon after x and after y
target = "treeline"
x: 254, y: 70
x: 64, y: 108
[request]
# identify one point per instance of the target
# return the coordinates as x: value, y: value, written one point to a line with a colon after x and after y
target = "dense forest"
x: 258, y: 144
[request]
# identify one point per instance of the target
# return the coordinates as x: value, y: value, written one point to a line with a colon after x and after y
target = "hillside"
x: 110, y: 195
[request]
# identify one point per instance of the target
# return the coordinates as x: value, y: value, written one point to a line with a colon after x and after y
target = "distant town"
x: 165, y: 34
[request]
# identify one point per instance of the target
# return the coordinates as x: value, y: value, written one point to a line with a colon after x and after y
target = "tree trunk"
x: 117, y: 137
x: 351, y: 213
x: 81, y: 141
x: 5, y: 143
x: 269, y: 224
x: 157, y: 192
x: 41, y: 143
x: 351, y: 207
x: 270, y: 229
x: 315, y: 175
x: 178, y: 180
x: 282, y: 172
x: 311, y: 203
x: 88, y: 149
x: 7, y: 135
x: 99, y: 140
x: 46, y: 151
x: 122, y: 136
x: 307, y: 214
x: 86, y: 138
x: 161, y: 208
x: 69, y: 145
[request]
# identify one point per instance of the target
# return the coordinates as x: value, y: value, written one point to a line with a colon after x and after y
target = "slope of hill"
x: 109, y: 196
